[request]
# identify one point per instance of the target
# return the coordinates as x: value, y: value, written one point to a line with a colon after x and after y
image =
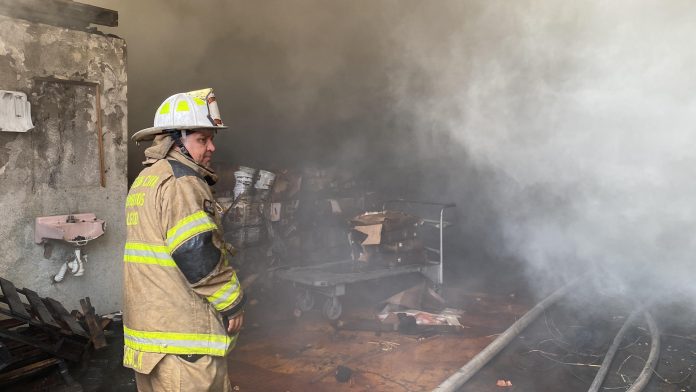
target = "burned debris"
x: 39, y: 333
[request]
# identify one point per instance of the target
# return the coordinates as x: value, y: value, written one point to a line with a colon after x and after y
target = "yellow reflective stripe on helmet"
x: 140, y: 253
x: 226, y: 295
x: 177, y: 342
x: 199, y: 101
x: 165, y: 109
x: 182, y: 106
x: 186, y: 228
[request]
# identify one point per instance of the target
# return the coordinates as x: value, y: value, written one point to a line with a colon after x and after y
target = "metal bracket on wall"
x: 97, y: 94
x: 15, y: 112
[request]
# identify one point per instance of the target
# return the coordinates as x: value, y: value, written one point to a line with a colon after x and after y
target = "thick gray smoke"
x: 564, y: 130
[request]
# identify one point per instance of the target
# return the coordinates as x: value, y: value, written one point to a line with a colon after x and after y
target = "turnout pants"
x: 176, y: 374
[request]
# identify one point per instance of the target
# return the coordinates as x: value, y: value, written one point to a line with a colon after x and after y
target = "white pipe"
x: 80, y: 270
x: 455, y: 381
x: 75, y: 265
x: 61, y: 273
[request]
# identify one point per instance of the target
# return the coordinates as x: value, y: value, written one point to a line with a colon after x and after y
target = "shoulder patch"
x: 181, y: 170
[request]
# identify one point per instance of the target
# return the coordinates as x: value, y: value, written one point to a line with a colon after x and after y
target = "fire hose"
x: 642, y: 379
x: 461, y: 376
x: 654, y: 355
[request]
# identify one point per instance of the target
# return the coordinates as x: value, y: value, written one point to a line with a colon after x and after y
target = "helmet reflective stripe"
x: 182, y: 106
x: 164, y: 109
x: 190, y: 111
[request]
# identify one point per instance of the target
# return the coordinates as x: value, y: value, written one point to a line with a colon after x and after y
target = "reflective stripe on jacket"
x: 178, y: 285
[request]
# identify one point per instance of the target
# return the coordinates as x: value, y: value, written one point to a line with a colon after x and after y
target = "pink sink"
x: 75, y: 228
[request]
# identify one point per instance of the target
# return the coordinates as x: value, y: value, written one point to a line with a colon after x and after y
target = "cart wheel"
x: 305, y: 301
x: 332, y: 308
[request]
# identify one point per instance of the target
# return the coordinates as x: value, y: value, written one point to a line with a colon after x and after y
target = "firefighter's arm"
x: 193, y: 240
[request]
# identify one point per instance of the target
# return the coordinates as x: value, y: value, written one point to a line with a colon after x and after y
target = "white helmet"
x: 191, y: 110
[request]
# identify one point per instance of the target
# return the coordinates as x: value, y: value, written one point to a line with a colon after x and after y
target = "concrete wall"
x: 54, y: 168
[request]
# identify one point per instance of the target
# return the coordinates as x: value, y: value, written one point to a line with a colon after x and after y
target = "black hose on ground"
x: 644, y: 376
x: 609, y: 357
x: 455, y: 381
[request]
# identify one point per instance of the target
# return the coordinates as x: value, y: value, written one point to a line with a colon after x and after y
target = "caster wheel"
x: 332, y: 308
x: 305, y: 301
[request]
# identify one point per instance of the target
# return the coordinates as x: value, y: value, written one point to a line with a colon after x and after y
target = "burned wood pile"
x: 38, y: 333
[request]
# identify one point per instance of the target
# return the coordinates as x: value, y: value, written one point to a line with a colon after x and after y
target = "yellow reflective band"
x: 132, y: 219
x: 140, y: 253
x: 165, y: 108
x: 199, y: 101
x: 177, y: 342
x: 226, y: 295
x: 186, y: 220
x: 186, y: 228
x: 182, y: 106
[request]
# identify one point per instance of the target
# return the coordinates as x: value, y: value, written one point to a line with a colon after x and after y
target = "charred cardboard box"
x: 387, y: 238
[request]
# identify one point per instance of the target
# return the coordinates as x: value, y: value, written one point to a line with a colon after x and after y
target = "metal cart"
x: 330, y: 279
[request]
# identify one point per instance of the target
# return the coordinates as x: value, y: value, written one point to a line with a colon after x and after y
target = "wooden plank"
x: 58, y: 308
x: 12, y: 298
x: 39, y: 308
x: 65, y: 13
x: 54, y: 349
x: 11, y: 323
x: 100, y: 138
x: 28, y: 340
x: 28, y: 370
x: 93, y: 325
x: 5, y: 356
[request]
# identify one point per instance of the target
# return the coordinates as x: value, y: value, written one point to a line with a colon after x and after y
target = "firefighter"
x: 183, y: 304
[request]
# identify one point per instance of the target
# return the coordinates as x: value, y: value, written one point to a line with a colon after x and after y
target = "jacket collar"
x: 162, y: 148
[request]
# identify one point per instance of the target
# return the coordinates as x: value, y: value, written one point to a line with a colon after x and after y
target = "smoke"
x: 585, y: 111
x: 563, y: 130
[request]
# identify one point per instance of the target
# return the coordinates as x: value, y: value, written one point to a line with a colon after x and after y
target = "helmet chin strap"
x: 178, y: 136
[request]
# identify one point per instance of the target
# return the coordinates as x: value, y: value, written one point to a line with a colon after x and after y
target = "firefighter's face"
x: 199, y: 144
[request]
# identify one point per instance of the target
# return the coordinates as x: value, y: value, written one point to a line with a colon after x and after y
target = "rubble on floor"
x: 38, y: 333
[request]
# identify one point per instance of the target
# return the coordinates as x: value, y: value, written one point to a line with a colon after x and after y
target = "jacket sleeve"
x: 195, y: 243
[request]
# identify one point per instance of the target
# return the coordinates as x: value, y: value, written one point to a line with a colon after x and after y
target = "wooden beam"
x: 12, y: 298
x: 64, y: 13
x: 63, y: 314
x: 28, y: 370
x: 39, y: 308
x: 93, y: 324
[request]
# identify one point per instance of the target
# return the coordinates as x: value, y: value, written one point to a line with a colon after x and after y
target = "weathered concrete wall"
x: 54, y: 168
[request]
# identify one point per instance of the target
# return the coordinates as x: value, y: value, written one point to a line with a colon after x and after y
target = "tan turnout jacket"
x: 178, y: 285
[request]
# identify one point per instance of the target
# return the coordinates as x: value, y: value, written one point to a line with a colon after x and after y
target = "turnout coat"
x: 179, y: 288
